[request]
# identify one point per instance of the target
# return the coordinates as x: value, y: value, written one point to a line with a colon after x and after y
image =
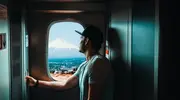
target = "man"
x: 94, y: 76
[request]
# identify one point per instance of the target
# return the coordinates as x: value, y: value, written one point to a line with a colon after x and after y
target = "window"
x: 63, y: 49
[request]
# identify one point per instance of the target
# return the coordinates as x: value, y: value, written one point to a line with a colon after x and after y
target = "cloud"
x: 64, y: 53
x: 60, y: 43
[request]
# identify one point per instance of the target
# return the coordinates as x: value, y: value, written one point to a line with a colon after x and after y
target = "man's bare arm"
x: 57, y: 85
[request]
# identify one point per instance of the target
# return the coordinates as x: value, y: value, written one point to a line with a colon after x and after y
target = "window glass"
x: 63, y: 49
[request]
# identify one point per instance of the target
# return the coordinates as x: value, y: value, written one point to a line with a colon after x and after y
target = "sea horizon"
x: 65, y: 57
x: 66, y: 62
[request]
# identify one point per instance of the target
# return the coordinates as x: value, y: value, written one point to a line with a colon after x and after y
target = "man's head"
x: 91, y: 37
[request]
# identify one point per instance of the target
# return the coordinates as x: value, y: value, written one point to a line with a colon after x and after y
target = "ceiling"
x: 85, y: 5
x: 67, y: 0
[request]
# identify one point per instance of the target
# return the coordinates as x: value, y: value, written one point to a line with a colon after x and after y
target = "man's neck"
x: 89, y: 54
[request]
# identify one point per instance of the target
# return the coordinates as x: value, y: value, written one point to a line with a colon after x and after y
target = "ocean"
x: 55, y: 64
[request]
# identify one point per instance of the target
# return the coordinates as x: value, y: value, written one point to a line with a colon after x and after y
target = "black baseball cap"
x: 93, y: 33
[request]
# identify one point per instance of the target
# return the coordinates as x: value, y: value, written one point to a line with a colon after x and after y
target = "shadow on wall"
x: 121, y: 68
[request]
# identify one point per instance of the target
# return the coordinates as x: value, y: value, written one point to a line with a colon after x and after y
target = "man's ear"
x: 86, y: 41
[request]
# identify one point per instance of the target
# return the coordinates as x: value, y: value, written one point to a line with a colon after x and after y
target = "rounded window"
x: 63, y: 49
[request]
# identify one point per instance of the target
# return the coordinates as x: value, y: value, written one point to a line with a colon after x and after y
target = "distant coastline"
x: 68, y: 63
x: 67, y: 58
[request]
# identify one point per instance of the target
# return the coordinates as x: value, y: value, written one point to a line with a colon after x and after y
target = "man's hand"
x: 58, y: 85
x: 30, y: 81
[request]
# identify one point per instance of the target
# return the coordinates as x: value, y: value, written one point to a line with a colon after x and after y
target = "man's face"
x: 82, y: 46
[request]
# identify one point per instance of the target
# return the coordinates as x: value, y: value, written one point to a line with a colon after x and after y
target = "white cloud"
x: 60, y: 43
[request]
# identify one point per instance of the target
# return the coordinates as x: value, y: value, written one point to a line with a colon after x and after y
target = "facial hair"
x: 82, y: 47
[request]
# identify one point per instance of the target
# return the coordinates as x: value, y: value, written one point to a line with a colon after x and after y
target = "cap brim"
x: 78, y: 32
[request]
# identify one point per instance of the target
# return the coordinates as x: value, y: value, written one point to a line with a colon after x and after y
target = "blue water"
x: 57, y: 63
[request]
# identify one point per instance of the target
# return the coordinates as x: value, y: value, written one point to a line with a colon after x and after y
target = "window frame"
x: 47, y: 40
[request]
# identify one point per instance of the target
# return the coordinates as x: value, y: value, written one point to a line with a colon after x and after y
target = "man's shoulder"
x: 100, y: 61
x: 82, y: 63
x: 101, y: 58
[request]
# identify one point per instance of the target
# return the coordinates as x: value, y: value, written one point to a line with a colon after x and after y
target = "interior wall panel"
x: 144, y: 47
x: 15, y: 45
x: 5, y: 88
x: 119, y: 37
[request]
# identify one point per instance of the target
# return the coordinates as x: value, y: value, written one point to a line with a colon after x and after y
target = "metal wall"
x: 145, y: 43
x: 134, y: 49
x: 119, y: 38
x: 16, y: 55
x: 5, y: 88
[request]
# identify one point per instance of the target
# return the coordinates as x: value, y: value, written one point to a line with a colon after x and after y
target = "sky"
x: 64, y: 41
